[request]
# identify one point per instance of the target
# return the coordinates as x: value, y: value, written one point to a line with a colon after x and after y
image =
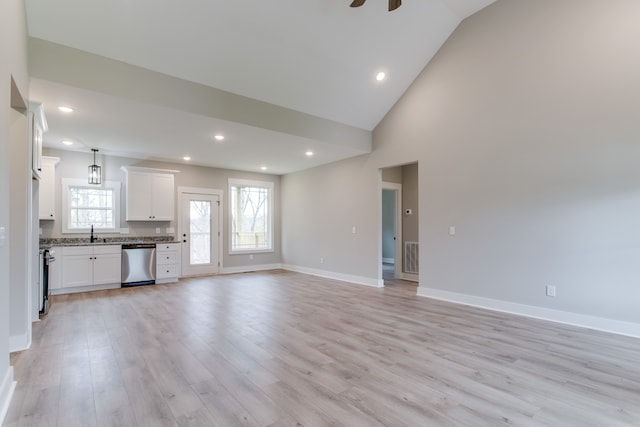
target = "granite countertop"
x: 82, y: 241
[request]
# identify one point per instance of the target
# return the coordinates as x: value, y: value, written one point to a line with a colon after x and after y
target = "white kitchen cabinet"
x: 91, y: 265
x: 150, y: 194
x: 167, y: 262
x: 47, y: 188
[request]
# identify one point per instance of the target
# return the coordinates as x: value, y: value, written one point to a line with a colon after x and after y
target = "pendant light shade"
x: 95, y: 171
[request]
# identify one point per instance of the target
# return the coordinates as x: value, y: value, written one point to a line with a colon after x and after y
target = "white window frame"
x: 66, y: 200
x: 252, y: 183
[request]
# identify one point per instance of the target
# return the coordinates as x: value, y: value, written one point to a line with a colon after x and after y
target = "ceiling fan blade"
x: 393, y: 4
x: 357, y: 3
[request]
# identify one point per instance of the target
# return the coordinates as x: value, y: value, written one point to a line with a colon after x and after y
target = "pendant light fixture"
x: 95, y: 171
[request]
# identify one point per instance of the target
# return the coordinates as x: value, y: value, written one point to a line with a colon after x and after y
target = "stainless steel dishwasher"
x: 138, y: 264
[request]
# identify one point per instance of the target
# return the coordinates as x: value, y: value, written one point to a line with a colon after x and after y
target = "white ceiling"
x: 317, y: 57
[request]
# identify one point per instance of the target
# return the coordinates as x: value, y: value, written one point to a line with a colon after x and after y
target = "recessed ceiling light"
x: 309, y: 153
x: 264, y: 168
x: 187, y: 158
x: 67, y: 142
x: 65, y: 109
x: 219, y: 137
x: 380, y: 76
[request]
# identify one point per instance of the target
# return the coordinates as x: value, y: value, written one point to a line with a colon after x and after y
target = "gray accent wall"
x: 526, y: 128
x: 410, y: 200
x: 320, y: 207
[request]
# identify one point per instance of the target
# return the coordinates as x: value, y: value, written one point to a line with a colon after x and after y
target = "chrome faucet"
x: 93, y: 238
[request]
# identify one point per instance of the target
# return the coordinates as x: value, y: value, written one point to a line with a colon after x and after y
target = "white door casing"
x: 200, y: 231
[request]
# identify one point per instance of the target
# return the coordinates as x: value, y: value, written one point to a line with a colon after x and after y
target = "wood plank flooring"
x: 286, y: 349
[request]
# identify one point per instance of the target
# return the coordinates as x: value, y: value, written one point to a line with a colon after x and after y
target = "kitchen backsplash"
x: 66, y: 241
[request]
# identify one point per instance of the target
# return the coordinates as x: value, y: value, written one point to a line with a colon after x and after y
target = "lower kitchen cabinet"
x: 167, y: 262
x: 91, y: 265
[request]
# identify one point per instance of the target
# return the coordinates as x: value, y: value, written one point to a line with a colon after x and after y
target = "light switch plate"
x: 2, y: 237
x: 171, y: 230
x: 157, y: 230
x: 452, y: 230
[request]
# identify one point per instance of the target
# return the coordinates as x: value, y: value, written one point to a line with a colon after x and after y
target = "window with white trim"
x: 251, y: 216
x: 84, y: 205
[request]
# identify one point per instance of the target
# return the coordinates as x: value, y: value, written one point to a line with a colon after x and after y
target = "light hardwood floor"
x: 286, y: 349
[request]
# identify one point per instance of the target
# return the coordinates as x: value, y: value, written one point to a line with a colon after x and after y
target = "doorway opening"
x: 399, y: 243
x: 391, y: 230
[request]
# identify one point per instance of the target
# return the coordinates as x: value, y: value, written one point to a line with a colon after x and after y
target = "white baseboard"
x: 359, y: 280
x: 410, y: 277
x: 7, y: 387
x: 250, y: 268
x: 20, y: 342
x: 566, y: 317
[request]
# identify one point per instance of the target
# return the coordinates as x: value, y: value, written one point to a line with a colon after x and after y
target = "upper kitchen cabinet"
x: 37, y: 128
x: 47, y: 188
x: 150, y: 194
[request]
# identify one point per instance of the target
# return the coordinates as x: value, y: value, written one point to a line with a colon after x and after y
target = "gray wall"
x: 321, y: 206
x: 74, y: 165
x: 13, y: 51
x: 525, y: 126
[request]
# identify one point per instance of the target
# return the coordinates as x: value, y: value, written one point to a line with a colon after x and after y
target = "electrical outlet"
x: 321, y: 260
x: 551, y: 291
x: 251, y: 256
x: 157, y: 230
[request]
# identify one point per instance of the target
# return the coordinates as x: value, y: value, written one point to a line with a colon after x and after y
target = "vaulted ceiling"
x: 277, y: 78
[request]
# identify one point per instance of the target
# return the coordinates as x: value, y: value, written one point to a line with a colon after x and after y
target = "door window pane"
x: 200, y: 229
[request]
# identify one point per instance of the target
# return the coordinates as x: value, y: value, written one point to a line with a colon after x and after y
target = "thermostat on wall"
x: 408, y: 211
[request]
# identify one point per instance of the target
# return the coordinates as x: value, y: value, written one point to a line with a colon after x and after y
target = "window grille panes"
x: 251, y: 217
x: 91, y: 206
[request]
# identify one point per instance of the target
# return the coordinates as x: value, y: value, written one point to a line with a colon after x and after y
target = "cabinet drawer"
x: 166, y: 258
x: 91, y: 250
x: 162, y: 247
x: 164, y: 271
x: 107, y: 249
x: 77, y: 250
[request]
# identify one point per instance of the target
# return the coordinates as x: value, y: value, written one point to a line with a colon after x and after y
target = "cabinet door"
x: 162, y: 205
x: 139, y: 196
x: 47, y: 191
x: 55, y: 269
x: 106, y: 269
x: 77, y: 270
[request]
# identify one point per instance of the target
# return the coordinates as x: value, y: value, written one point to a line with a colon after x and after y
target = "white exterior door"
x: 200, y: 233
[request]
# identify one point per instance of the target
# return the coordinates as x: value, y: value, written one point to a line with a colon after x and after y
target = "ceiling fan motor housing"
x: 393, y: 4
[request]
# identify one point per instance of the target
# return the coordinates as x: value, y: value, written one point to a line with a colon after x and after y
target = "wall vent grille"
x: 411, y: 257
